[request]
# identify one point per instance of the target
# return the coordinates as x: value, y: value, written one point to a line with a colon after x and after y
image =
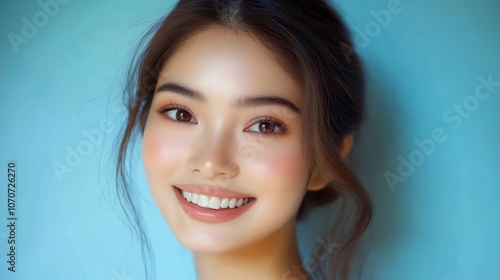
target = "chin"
x: 199, y: 241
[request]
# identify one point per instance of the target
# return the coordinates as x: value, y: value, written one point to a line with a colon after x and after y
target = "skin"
x: 224, y: 146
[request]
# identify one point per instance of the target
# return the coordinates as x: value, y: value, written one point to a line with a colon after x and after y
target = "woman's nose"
x: 213, y: 157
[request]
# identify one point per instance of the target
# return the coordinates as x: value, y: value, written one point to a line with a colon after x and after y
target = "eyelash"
x: 162, y: 110
x: 281, y: 126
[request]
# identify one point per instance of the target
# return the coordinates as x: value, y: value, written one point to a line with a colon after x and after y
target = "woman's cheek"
x: 281, y: 165
x: 160, y: 148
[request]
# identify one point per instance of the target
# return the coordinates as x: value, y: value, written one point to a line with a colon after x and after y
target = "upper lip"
x: 211, y: 190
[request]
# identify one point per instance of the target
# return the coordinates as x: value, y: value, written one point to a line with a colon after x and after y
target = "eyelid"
x: 174, y: 106
x: 281, y: 125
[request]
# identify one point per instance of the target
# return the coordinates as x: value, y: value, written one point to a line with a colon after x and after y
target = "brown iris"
x: 182, y: 116
x: 266, y: 127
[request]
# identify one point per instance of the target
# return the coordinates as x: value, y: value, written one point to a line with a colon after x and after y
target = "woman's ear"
x: 347, y: 143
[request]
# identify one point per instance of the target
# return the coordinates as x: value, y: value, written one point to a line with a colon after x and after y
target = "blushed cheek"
x: 153, y: 147
x: 281, y: 166
x: 160, y: 150
x: 163, y: 150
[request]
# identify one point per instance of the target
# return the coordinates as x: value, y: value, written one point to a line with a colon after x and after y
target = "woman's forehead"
x: 213, y: 60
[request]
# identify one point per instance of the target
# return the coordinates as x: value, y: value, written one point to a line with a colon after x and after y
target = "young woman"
x: 247, y: 111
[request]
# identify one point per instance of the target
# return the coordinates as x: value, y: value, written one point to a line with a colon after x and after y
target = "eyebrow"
x: 239, y: 102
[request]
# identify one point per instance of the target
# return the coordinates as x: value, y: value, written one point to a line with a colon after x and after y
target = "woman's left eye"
x: 268, y: 127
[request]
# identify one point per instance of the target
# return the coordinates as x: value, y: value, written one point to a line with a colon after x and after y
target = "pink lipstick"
x: 212, y: 204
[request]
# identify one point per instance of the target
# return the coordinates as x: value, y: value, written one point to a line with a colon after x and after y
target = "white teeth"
x: 194, y: 198
x: 214, y: 202
x: 203, y: 200
x: 232, y: 202
x: 187, y: 195
x: 239, y: 202
x: 224, y: 203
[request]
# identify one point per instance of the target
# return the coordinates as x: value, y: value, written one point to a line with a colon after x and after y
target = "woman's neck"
x: 276, y: 257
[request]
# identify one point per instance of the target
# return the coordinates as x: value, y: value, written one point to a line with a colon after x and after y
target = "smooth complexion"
x: 206, y: 139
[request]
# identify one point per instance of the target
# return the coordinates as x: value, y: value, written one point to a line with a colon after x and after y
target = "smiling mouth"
x: 214, y: 202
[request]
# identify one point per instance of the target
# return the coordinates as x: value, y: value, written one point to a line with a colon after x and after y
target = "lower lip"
x: 210, y: 215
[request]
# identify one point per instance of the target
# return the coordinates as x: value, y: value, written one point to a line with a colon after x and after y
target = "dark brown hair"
x: 308, y: 37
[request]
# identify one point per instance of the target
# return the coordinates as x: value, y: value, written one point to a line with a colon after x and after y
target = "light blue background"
x: 440, y: 223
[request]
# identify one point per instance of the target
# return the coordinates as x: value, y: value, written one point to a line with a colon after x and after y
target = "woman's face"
x: 225, y: 128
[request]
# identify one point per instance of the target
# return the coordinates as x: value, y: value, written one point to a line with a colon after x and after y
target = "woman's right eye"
x: 176, y: 114
x: 179, y: 115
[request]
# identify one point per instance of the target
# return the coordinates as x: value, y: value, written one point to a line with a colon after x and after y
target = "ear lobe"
x: 315, y: 184
x: 316, y: 187
x: 347, y: 143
